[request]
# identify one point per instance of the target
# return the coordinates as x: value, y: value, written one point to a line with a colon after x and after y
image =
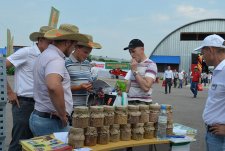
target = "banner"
x: 9, y: 43
x: 54, y: 17
x: 114, y: 65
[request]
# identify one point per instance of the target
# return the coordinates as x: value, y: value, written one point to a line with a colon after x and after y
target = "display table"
x: 125, y: 144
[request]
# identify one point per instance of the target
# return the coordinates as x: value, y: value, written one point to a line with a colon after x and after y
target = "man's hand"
x: 133, y: 65
x: 86, y: 86
x: 64, y: 120
x: 218, y: 129
x: 12, y: 98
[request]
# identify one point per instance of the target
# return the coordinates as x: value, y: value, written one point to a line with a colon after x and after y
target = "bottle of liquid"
x: 162, y: 123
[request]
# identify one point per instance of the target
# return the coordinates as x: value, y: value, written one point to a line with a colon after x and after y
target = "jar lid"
x: 125, y: 125
x: 80, y: 109
x: 133, y: 107
x: 139, y: 125
x: 149, y: 124
x: 115, y: 126
x: 91, y: 131
x: 76, y: 130
x: 108, y: 108
x: 121, y: 108
x: 96, y: 108
x: 143, y: 107
x: 155, y: 106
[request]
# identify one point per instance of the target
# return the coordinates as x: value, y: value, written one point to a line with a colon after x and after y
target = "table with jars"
x: 107, y: 127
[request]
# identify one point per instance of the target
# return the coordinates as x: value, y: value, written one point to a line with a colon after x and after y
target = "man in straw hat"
x: 195, y: 76
x: 22, y: 96
x: 52, y: 93
x: 79, y: 69
x: 213, y: 51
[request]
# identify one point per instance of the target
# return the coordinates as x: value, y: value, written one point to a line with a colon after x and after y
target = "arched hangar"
x: 177, y: 48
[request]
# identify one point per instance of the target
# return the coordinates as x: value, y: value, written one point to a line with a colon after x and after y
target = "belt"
x: 46, y: 115
x: 208, y: 127
x: 22, y: 98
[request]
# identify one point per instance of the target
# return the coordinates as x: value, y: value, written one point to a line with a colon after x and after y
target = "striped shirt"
x: 146, y: 68
x: 80, y: 72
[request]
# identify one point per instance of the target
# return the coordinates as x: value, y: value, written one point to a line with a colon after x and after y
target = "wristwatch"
x: 135, y: 73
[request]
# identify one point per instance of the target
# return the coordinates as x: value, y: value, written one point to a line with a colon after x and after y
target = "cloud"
x: 191, y: 12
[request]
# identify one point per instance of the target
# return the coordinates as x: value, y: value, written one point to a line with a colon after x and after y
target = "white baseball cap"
x: 212, y: 41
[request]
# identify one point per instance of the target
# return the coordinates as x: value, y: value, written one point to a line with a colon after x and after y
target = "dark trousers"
x: 194, y: 88
x: 168, y: 84
x: 175, y: 82
x: 21, y: 128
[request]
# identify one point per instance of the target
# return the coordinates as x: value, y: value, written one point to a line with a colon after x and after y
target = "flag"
x: 54, y: 17
x: 8, y: 42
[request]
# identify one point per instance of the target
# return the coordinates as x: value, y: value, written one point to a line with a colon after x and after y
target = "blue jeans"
x: 21, y: 128
x: 214, y: 142
x: 45, y: 126
x: 194, y: 88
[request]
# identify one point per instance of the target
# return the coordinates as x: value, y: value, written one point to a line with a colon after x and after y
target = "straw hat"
x: 66, y: 32
x: 35, y: 35
x: 90, y: 44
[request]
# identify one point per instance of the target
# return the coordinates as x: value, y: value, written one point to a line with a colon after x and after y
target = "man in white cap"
x: 52, y: 93
x: 213, y: 51
x: 22, y: 97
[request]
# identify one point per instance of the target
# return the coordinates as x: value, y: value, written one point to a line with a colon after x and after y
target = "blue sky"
x: 113, y: 23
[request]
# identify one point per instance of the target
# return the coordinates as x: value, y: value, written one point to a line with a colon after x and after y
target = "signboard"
x: 54, y: 17
x: 114, y: 65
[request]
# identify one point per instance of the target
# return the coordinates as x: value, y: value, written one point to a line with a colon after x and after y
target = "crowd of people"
x: 54, y: 75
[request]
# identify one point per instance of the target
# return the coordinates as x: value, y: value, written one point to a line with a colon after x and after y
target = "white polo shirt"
x: 168, y: 74
x: 52, y: 60
x: 214, y: 112
x: 23, y: 61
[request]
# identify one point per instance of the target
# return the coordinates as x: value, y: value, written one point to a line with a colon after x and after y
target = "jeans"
x: 214, y: 142
x: 194, y: 88
x: 180, y: 83
x: 45, y: 126
x: 169, y: 84
x: 21, y: 128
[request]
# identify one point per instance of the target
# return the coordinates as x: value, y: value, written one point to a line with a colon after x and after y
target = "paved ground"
x: 187, y: 110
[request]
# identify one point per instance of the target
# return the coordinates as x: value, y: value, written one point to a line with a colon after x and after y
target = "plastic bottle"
x: 162, y: 123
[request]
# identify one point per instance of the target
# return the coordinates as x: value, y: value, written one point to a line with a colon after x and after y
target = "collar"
x: 220, y: 66
x: 37, y: 50
x: 58, y: 50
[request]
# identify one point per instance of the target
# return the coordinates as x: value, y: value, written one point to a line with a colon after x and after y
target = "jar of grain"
x: 138, y: 131
x: 169, y: 130
x: 96, y: 116
x: 144, y: 109
x: 169, y: 112
x: 115, y: 133
x: 80, y: 117
x: 91, y: 136
x: 76, y: 137
x: 125, y: 132
x: 120, y: 115
x: 154, y: 112
x: 149, y: 130
x: 109, y: 115
x: 103, y: 135
x: 133, y: 114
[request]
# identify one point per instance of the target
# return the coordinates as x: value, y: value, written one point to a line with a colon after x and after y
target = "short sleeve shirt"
x: 52, y: 60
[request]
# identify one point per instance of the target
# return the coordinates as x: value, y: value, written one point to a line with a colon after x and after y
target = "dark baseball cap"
x: 134, y: 43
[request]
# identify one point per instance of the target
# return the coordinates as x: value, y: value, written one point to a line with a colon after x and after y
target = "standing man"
x: 175, y: 75
x: 168, y: 77
x: 141, y: 76
x: 195, y: 75
x: 22, y: 97
x: 181, y: 78
x: 213, y: 51
x: 52, y: 93
x: 79, y: 69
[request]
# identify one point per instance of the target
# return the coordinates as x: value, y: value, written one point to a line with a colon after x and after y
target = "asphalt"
x: 186, y: 110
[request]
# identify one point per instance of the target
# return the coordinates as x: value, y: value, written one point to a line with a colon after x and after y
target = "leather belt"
x: 46, y: 115
x: 208, y: 127
x: 22, y: 98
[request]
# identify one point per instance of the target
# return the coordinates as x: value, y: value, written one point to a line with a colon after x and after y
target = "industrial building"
x: 177, y: 48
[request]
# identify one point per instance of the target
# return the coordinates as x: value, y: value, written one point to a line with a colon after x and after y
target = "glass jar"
x: 103, y: 135
x: 91, y: 136
x: 120, y: 115
x: 96, y: 116
x: 125, y: 132
x: 133, y: 114
x: 115, y: 133
x: 80, y: 117
x: 138, y: 131
x: 144, y: 109
x: 169, y: 129
x: 76, y: 137
x: 154, y: 112
x: 109, y: 115
x: 149, y: 130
